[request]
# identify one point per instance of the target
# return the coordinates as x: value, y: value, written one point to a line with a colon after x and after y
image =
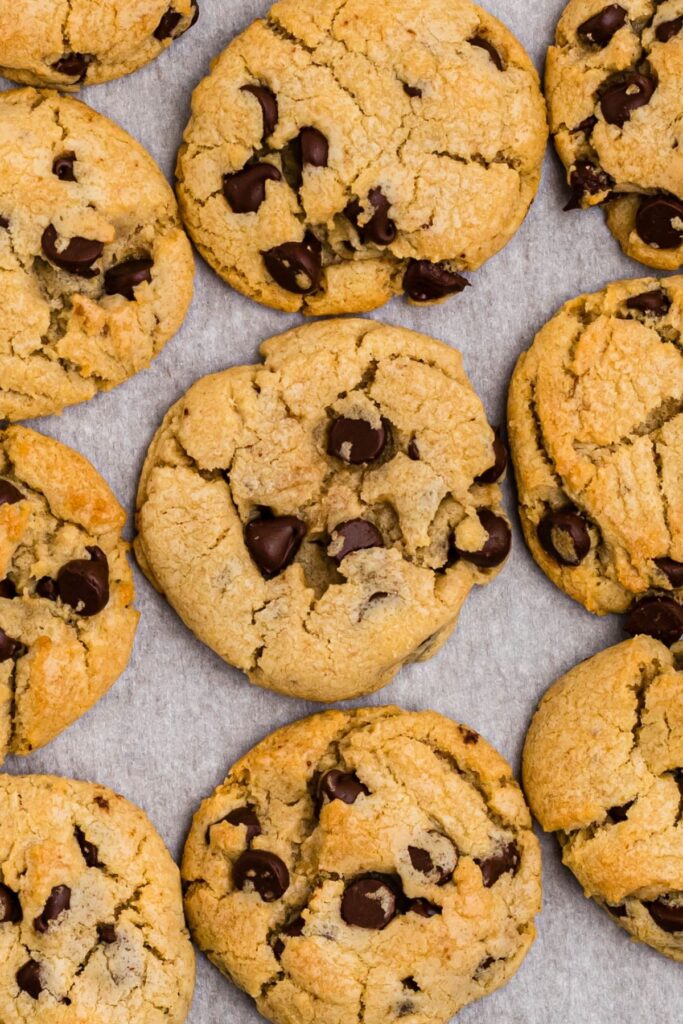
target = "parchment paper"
x: 173, y: 724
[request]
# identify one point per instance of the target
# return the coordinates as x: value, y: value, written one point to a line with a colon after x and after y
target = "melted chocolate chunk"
x: 106, y: 933
x: 504, y: 861
x: 84, y: 584
x: 357, y: 441
x: 274, y: 542
x: 58, y: 902
x: 356, y: 535
x: 9, y: 647
x: 8, y: 591
x: 123, y: 278
x: 500, y: 461
x: 73, y: 65
x: 423, y: 908
x: 338, y: 785
x: 619, y: 101
x: 313, y: 148
x: 268, y: 105
x: 29, y: 979
x: 246, y: 190
x: 497, y: 545
x: 77, y: 257
x: 245, y: 816
x: 47, y: 587
x: 563, y: 534
x: 369, y: 903
x: 666, y: 916
x: 296, y: 266
x: 654, y: 303
x: 412, y: 90
x: 484, y: 44
x: 63, y: 167
x: 672, y: 570
x: 168, y: 24
x: 666, y: 30
x: 601, y: 27
x: 89, y: 850
x: 262, y: 870
x: 659, y: 222
x: 429, y: 282
x: 380, y: 229
x: 9, y: 495
x: 10, y: 907
x: 587, y: 179
x: 660, y: 617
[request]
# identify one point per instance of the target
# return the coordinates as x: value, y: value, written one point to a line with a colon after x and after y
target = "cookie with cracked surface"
x: 340, y: 153
x: 91, y: 915
x: 603, y: 769
x: 596, y: 435
x: 375, y: 864
x: 96, y: 268
x: 318, y: 519
x: 69, y: 43
x: 614, y: 83
x: 66, y: 590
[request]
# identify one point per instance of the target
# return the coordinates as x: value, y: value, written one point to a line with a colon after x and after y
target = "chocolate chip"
x: 413, y: 450
x: 357, y: 441
x: 102, y: 802
x: 620, y: 812
x: 599, y: 29
x: 586, y: 126
x: 369, y: 903
x: 338, y: 785
x: 29, y: 980
x: 245, y: 816
x: 660, y: 617
x: 313, y: 148
x: 84, y: 584
x: 63, y: 167
x: 246, y: 190
x: 4, y: 223
x: 262, y: 870
x: 666, y: 30
x: 268, y: 105
x: 78, y: 256
x: 58, y: 902
x: 10, y: 907
x: 380, y: 229
x: 659, y: 222
x: 106, y: 933
x: 356, y: 535
x: 8, y: 591
x: 296, y: 266
x: 497, y: 545
x: 672, y: 570
x: 274, y: 542
x: 665, y: 915
x: 618, y: 911
x: 587, y: 179
x: 168, y: 24
x: 411, y: 984
x: 292, y: 930
x: 437, y: 872
x: 469, y: 735
x: 412, y: 91
x: 89, y: 850
x: 506, y: 860
x: 428, y: 282
x: 423, y: 908
x: 9, y: 647
x: 655, y: 303
x: 563, y: 534
x: 123, y: 278
x: 500, y: 461
x: 620, y: 100
x: 47, y: 587
x: 73, y: 65
x: 9, y: 495
x: 484, y: 44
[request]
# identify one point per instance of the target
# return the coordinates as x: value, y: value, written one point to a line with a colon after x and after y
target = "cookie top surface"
x: 373, y: 864
x: 596, y: 435
x: 317, y: 519
x: 66, y: 589
x: 91, y: 917
x: 69, y: 43
x: 614, y: 83
x: 603, y: 767
x: 96, y: 269
x: 340, y: 153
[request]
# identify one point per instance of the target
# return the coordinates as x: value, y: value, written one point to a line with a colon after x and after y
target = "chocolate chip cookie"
x: 603, y: 769
x: 96, y: 269
x: 66, y: 590
x: 596, y: 433
x: 319, y: 519
x: 614, y: 83
x: 373, y: 864
x: 69, y: 43
x: 343, y: 152
x: 91, y: 917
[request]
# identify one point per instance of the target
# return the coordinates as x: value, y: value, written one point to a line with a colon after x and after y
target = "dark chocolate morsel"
x: 47, y: 587
x: 438, y: 873
x: 411, y: 984
x: 672, y: 570
x: 73, y: 65
x: 380, y: 229
x: 77, y: 257
x: 412, y: 90
x: 600, y: 28
x: 500, y: 461
x: 356, y: 535
x: 123, y: 278
x: 292, y: 930
x: 9, y: 495
x: 659, y: 222
x: 246, y: 190
x: 273, y: 543
x: 84, y: 584
x: 268, y: 105
x: 665, y: 915
x: 296, y: 266
x: 8, y: 591
x: 168, y: 24
x: 106, y: 933
x: 313, y: 148
x: 563, y: 534
x: 63, y: 167
x: 428, y: 282
x: 657, y: 616
x: 586, y: 126
x: 654, y: 303
x: 338, y: 785
x: 620, y: 812
x: 618, y: 911
x: 9, y: 647
x: 369, y: 903
x: 497, y: 545
x: 29, y: 979
x: 619, y: 101
x: 505, y: 860
x: 89, y: 850
x: 262, y: 870
x: 357, y: 441
x: 666, y: 30
x: 4, y: 223
x: 413, y: 450
x: 587, y: 179
x: 245, y: 816
x: 484, y: 44
x: 57, y: 903
x: 10, y: 907
x: 423, y: 907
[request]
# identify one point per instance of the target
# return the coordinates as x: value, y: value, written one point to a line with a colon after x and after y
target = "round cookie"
x: 69, y: 43
x: 372, y: 865
x: 603, y: 769
x: 319, y: 519
x: 91, y: 915
x: 614, y: 83
x: 342, y: 152
x: 96, y: 269
x: 596, y: 435
x: 66, y: 590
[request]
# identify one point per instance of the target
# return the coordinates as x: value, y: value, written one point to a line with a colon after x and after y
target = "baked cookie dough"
x: 603, y: 768
x: 69, y: 43
x: 91, y: 916
x: 95, y: 269
x: 318, y: 519
x: 66, y: 590
x: 366, y: 865
x: 342, y: 152
x: 596, y: 435
x: 614, y: 83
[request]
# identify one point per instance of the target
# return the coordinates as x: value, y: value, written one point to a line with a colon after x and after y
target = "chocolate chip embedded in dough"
x: 658, y: 616
x: 274, y: 542
x: 493, y: 53
x: 29, y: 979
x: 77, y: 257
x: 355, y: 535
x: 245, y: 190
x: 563, y: 534
x: 379, y: 229
x: 496, y: 548
x: 10, y: 907
x: 652, y: 303
x: 659, y: 222
x: 338, y: 785
x: 123, y: 278
x: 601, y: 27
x: 587, y: 178
x: 500, y: 461
x: 356, y: 441
x: 268, y: 104
x: 665, y: 915
x: 506, y: 860
x: 84, y: 584
x: 263, y: 871
x: 296, y: 266
x: 667, y: 30
x: 424, y: 281
x: 619, y: 101
x: 73, y: 65
x: 63, y: 167
x: 672, y: 570
x: 369, y: 903
x: 58, y: 902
